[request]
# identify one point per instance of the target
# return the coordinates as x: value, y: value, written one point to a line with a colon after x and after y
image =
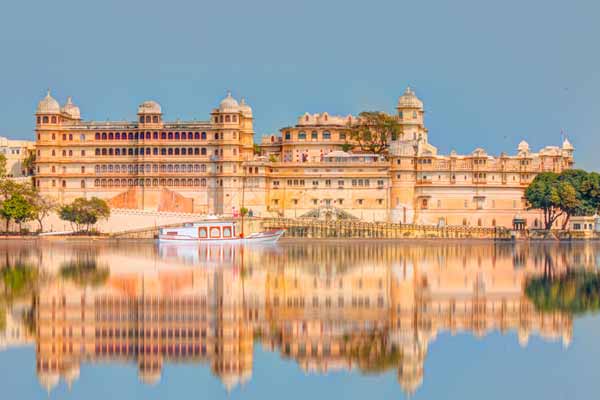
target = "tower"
x: 411, y: 116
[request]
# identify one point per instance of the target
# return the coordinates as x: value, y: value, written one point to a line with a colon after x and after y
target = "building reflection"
x: 369, y: 308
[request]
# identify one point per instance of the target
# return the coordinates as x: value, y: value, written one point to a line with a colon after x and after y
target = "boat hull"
x: 269, y: 237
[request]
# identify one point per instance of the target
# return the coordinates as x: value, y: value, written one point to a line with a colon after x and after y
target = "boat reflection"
x: 328, y: 306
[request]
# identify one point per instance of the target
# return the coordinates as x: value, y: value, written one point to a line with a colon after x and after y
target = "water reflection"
x: 369, y: 307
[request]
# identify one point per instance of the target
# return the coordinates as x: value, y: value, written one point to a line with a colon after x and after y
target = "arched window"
x: 203, y: 182
x: 45, y: 120
x: 97, y: 136
x: 103, y: 135
x: 176, y: 135
x: 227, y: 118
x: 155, y: 119
x: 53, y: 120
x: 203, y: 135
x: 82, y: 184
x: 176, y: 151
x: 110, y: 136
x: 130, y: 136
x: 196, y: 135
x: 203, y: 151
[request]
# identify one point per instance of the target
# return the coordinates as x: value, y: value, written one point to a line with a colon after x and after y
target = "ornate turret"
x: 71, y: 109
x: 150, y: 112
x: 48, y: 111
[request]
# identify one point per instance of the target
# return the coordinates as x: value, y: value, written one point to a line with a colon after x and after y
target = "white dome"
x: 229, y: 104
x: 245, y: 108
x: 523, y: 146
x: 149, y: 107
x: 48, y: 105
x: 567, y: 145
x: 409, y: 100
x: 71, y: 109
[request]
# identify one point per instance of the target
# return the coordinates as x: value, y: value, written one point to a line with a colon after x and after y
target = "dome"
x: 409, y: 100
x: 149, y: 378
x: 48, y: 105
x: 245, y: 108
x: 567, y: 145
x: 71, y: 109
x: 523, y: 146
x: 149, y: 107
x: 229, y: 104
x: 48, y: 380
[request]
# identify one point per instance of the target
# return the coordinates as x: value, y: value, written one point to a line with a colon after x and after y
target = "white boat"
x: 215, y: 232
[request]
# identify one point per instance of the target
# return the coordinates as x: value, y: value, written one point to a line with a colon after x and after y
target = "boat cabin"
x: 207, y: 230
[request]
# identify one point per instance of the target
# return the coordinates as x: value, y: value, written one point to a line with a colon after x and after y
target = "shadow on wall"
x: 167, y: 201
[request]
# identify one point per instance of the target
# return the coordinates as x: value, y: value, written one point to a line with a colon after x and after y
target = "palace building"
x: 312, y: 169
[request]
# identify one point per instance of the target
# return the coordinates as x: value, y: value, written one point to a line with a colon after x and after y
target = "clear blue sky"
x: 490, y: 73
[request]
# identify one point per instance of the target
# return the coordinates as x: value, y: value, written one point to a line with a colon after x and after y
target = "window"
x: 424, y: 204
x: 302, y: 136
x: 288, y: 136
x: 342, y: 136
x: 326, y: 135
x: 314, y: 135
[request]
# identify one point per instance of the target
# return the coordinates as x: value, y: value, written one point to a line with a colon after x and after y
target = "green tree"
x: 374, y: 131
x: 587, y: 189
x: 3, y: 170
x: 16, y: 208
x: 346, y: 147
x: 243, y: 213
x: 29, y: 163
x: 42, y: 207
x: 554, y: 197
x: 84, y: 213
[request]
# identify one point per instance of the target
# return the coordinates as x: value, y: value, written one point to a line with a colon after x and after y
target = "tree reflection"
x: 85, y: 271
x: 575, y: 292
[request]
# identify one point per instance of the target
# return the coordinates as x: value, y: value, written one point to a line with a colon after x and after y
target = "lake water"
x: 301, y: 320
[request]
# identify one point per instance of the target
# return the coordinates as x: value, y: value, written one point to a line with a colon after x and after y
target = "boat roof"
x: 213, y: 223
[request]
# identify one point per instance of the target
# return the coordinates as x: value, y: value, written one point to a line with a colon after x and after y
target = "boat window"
x: 215, y: 232
x: 226, y: 232
x: 202, y: 232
